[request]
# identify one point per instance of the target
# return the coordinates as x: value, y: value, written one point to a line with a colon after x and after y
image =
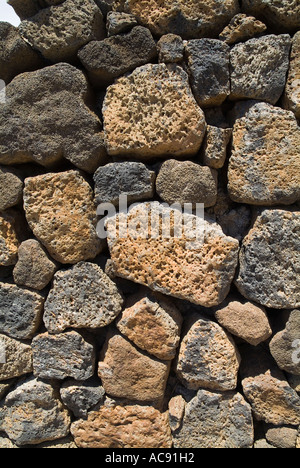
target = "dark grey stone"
x: 80, y: 397
x: 118, y: 22
x: 170, y: 48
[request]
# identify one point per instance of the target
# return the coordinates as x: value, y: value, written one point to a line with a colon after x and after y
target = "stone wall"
x: 139, y: 340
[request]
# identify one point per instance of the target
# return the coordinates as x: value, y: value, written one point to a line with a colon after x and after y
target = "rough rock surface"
x: 9, y: 242
x: 292, y: 90
x: 17, y: 357
x: 153, y: 323
x: 170, y: 48
x: 245, y: 320
x: 266, y: 140
x: 153, y: 113
x: 242, y: 28
x: 80, y: 397
x: 216, y: 420
x: 208, y: 357
x: 123, y: 427
x: 106, y: 60
x: 269, y: 260
x: 47, y: 110
x: 132, y: 179
x: 28, y: 8
x: 82, y: 297
x: 187, y: 182
x: 282, y: 437
x: 20, y: 311
x: 215, y: 145
x: 285, y: 345
x: 63, y: 355
x: 11, y: 187
x: 61, y: 213
x: 179, y: 265
x: 208, y: 62
x: 251, y: 64
x: 60, y: 30
x: 283, y: 15
x: 118, y: 22
x: 127, y: 372
x: 32, y: 413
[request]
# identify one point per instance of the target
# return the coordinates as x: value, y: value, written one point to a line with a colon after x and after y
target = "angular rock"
x: 215, y: 146
x: 216, y: 420
x: 28, y: 8
x: 59, y: 31
x: 245, y: 320
x: 208, y: 357
x: 291, y: 100
x: 127, y: 372
x: 269, y: 260
x: 64, y: 355
x: 35, y: 268
x: 9, y: 242
x: 33, y: 413
x: 282, y: 16
x: 265, y: 387
x: 82, y: 297
x: 20, y: 311
x: 133, y: 179
x: 187, y: 182
x: 242, y: 28
x: 170, y: 48
x: 197, y: 265
x: 5, y: 443
x: 16, y: 358
x: 63, y: 220
x: 11, y: 188
x: 118, y: 22
x: 153, y: 113
x: 123, y: 427
x: 59, y: 124
x: 258, y: 68
x: 285, y: 345
x: 153, y: 323
x: 80, y: 397
x: 176, y: 411
x: 266, y: 140
x: 208, y: 62
x: 108, y: 59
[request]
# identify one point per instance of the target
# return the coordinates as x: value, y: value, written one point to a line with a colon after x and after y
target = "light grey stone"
x: 285, y: 345
x: 16, y: 358
x: 80, y: 397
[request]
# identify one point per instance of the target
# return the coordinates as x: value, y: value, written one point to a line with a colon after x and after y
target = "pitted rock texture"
x: 153, y: 113
x: 241, y: 28
x: 215, y: 146
x: 17, y: 357
x: 11, y: 187
x: 292, y: 90
x: 170, y: 48
x: 80, y: 397
x: 282, y: 16
x: 9, y: 242
x: 118, y: 22
x: 285, y: 345
x: 27, y: 8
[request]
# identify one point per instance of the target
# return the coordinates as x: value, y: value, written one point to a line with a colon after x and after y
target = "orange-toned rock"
x: 9, y: 243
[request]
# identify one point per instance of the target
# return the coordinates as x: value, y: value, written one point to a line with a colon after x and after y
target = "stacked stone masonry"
x: 112, y: 336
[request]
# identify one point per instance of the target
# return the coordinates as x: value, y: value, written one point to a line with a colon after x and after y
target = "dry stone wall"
x: 143, y: 339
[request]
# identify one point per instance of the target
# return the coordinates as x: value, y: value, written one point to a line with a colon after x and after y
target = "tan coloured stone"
x: 123, y: 427
x: 129, y: 373
x: 199, y: 270
x: 15, y: 358
x: 245, y: 320
x: 176, y: 411
x: 153, y: 113
x: 241, y: 28
x: 215, y: 146
x: 9, y: 243
x: 153, y: 323
x: 60, y: 211
x: 291, y: 99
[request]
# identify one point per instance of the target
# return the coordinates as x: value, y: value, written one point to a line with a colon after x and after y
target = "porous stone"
x: 33, y: 413
x: 80, y: 397
x: 11, y: 188
x: 20, y: 311
x: 187, y: 182
x: 16, y: 358
x: 132, y: 179
x: 82, y: 297
x: 242, y: 28
x: 60, y: 211
x: 282, y: 16
x: 59, y: 123
x: 123, y: 427
x: 291, y: 100
x: 108, y: 59
x: 28, y: 8
x: 127, y: 372
x: 176, y: 411
x: 9, y: 242
x: 282, y: 437
x: 59, y: 31
x: 118, y: 22
x: 170, y: 48
x: 64, y: 355
x: 197, y: 265
x: 265, y: 387
x: 208, y: 63
x: 208, y: 357
x: 215, y: 145
x: 153, y: 323
x: 34, y: 268
x: 153, y: 113
x: 266, y: 140
x: 269, y: 260
x: 245, y: 320
x: 285, y: 345
x: 216, y: 420
x: 258, y: 68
